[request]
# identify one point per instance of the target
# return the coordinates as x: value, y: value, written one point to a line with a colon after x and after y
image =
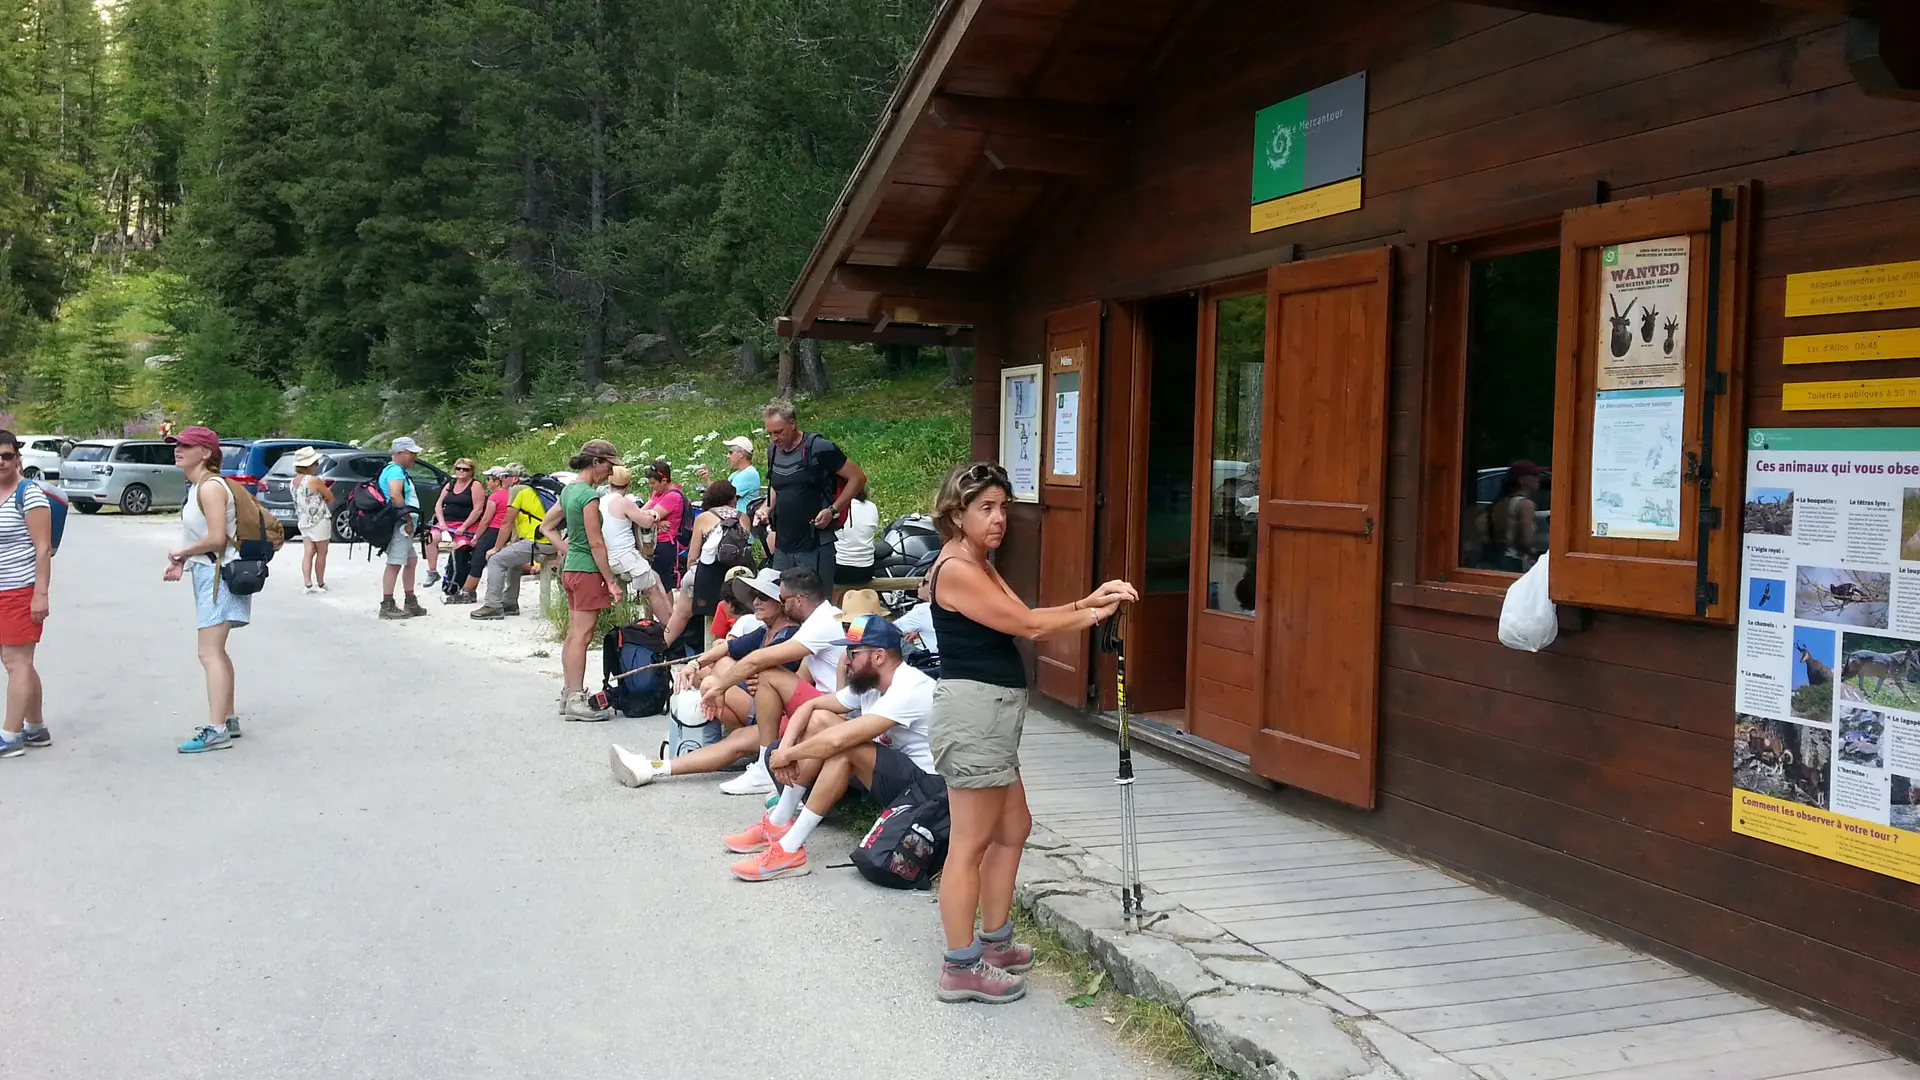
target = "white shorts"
x: 634, y: 572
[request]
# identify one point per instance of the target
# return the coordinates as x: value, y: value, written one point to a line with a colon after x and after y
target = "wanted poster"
x: 1643, y: 314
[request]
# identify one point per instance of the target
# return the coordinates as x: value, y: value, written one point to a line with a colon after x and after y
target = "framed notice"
x: 1064, y: 403
x: 1020, y: 430
x: 1826, y: 734
x: 1643, y: 299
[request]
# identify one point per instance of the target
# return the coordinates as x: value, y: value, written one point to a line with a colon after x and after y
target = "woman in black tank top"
x: 979, y: 709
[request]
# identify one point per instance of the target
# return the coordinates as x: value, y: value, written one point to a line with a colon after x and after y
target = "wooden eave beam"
x: 1052, y: 157
x: 1883, y: 53
x: 1027, y: 118
x: 862, y: 333
x: 912, y: 283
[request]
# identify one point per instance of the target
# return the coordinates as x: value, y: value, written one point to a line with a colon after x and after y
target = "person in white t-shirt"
x: 871, y: 735
x: 778, y: 692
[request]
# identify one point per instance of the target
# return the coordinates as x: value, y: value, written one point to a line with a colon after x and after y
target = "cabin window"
x: 1239, y: 378
x: 1506, y: 446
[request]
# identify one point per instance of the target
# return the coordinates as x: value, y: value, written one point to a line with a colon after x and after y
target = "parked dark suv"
x: 247, y: 460
x: 343, y: 470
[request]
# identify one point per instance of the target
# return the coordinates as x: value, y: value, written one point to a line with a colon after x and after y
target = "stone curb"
x: 1252, y: 1014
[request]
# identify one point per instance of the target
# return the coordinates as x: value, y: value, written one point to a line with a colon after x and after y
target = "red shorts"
x: 16, y: 621
x: 802, y: 694
x: 586, y: 590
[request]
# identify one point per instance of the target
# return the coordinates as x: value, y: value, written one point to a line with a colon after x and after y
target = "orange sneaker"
x: 775, y: 862
x: 755, y: 838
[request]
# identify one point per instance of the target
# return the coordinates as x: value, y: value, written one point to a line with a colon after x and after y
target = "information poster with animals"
x: 1643, y: 304
x: 1826, y: 750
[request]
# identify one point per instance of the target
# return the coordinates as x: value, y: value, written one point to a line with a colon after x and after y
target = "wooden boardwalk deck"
x: 1491, y: 983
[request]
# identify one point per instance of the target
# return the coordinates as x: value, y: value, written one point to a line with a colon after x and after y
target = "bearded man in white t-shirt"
x: 871, y: 736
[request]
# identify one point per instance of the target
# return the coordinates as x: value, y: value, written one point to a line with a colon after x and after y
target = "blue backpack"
x: 626, y: 648
x: 56, y: 506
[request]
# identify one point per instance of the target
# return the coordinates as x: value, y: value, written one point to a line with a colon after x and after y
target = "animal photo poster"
x: 1827, y: 691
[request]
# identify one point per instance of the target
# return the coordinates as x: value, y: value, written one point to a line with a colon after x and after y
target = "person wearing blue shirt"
x: 401, y: 492
x: 745, y: 478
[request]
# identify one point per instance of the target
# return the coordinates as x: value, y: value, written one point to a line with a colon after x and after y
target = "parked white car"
x: 136, y: 475
x: 40, y: 455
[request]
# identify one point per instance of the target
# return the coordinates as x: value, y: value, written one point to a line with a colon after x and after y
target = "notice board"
x: 1826, y: 754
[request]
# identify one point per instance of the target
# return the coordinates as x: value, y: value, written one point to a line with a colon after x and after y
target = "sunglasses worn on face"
x: 7, y: 455
x: 463, y: 469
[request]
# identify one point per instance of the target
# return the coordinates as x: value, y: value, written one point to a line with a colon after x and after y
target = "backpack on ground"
x: 372, y: 516
x: 735, y: 546
x: 57, y: 507
x: 687, y: 730
x: 908, y: 842
x: 636, y: 645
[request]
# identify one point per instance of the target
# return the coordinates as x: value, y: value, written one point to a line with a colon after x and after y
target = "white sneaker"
x: 631, y: 769
x: 755, y: 781
x: 320, y: 588
x: 311, y: 590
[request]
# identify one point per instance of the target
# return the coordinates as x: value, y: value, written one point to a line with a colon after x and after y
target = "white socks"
x: 790, y: 799
x: 664, y: 767
x: 802, y: 828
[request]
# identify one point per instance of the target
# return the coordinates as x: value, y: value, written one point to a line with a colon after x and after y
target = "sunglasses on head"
x: 986, y: 470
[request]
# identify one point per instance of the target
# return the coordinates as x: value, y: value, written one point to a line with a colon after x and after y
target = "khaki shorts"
x: 975, y: 735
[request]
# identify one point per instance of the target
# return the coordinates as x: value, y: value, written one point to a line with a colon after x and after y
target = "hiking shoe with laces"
x: 755, y: 838
x: 755, y: 781
x: 41, y: 738
x: 1009, y: 956
x: 511, y: 609
x: 486, y: 613
x: 631, y: 769
x: 391, y: 610
x: 233, y: 727
x: 12, y: 747
x: 775, y: 862
x: 580, y: 708
x: 413, y: 608
x: 979, y: 981
x: 205, y: 739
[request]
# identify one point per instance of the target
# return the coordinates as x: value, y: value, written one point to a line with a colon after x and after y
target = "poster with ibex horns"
x: 1643, y: 314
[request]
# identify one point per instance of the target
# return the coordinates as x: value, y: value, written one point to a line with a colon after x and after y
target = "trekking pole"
x: 648, y: 667
x: 1132, y: 903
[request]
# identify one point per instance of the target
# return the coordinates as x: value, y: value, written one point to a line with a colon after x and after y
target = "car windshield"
x: 282, y: 467
x: 90, y: 452
x: 232, y: 457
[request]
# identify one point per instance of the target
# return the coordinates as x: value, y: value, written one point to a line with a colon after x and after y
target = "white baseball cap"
x: 405, y: 445
x: 740, y: 443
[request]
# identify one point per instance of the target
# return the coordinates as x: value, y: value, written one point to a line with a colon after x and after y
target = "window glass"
x: 1513, y: 304
x: 232, y: 458
x: 1239, y: 374
x: 89, y: 452
x: 129, y: 452
x: 1175, y: 326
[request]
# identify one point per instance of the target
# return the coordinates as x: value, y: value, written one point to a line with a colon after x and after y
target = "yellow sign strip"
x: 1318, y: 203
x: 1853, y: 394
x: 1865, y: 345
x: 1855, y: 288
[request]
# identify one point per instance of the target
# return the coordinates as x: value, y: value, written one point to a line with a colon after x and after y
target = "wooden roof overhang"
x: 1007, y: 107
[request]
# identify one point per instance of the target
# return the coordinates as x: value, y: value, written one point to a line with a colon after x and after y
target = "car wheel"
x: 342, y: 529
x: 87, y: 507
x: 136, y: 500
x: 31, y: 473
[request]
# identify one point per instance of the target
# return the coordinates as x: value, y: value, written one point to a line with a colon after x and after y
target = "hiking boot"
x: 511, y: 609
x: 433, y: 578
x: 42, y: 738
x: 205, y: 739
x: 979, y: 981
x: 756, y: 837
x: 413, y: 608
x: 486, y: 613
x: 390, y: 610
x: 579, y: 707
x: 633, y: 770
x: 775, y: 862
x: 755, y: 781
x: 1009, y: 956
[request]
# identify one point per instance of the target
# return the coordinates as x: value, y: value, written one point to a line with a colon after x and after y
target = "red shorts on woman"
x: 586, y: 590
x: 803, y: 692
x: 16, y: 618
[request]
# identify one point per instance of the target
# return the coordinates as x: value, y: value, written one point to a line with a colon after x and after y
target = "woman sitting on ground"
x: 761, y: 621
x: 313, y: 509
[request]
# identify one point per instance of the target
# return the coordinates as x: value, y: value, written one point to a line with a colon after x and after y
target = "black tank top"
x: 459, y: 504
x: 969, y: 650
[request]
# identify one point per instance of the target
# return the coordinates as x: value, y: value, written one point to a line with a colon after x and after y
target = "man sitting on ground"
x: 872, y: 734
x: 804, y: 595
x: 515, y: 553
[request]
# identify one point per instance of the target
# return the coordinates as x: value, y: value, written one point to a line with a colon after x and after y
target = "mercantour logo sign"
x: 1309, y: 141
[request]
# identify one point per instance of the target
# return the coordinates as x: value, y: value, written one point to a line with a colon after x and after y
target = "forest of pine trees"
x: 477, y: 197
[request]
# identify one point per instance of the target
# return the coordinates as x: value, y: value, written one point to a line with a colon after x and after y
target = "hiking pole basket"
x: 1132, y: 902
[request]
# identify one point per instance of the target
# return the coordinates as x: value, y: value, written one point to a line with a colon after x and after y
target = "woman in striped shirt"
x: 26, y: 568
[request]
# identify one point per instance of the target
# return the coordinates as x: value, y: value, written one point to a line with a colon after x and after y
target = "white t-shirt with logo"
x: 818, y: 634
x: 908, y: 702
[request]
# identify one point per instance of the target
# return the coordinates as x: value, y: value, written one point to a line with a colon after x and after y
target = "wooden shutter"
x: 1697, y: 573
x: 1064, y: 671
x: 1323, y: 490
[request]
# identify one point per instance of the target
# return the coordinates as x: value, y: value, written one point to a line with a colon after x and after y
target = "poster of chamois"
x: 1827, y: 687
x: 1643, y: 314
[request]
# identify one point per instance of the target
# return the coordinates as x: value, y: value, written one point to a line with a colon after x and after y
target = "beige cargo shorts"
x: 975, y: 734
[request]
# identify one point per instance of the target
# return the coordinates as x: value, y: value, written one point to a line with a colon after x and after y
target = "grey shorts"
x: 975, y: 735
x: 400, y: 548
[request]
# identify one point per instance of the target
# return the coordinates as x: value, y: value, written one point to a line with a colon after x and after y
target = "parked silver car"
x: 137, y: 475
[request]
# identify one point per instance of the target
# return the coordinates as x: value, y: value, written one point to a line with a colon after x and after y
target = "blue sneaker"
x: 40, y: 738
x: 12, y: 747
x: 205, y: 739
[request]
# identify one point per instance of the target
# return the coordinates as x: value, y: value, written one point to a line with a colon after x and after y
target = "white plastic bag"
x: 1527, y: 619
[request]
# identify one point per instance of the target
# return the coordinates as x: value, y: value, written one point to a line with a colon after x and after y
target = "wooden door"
x: 1321, y: 523
x: 1067, y: 486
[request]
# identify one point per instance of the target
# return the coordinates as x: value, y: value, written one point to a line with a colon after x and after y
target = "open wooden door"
x: 1321, y: 523
x: 1067, y: 485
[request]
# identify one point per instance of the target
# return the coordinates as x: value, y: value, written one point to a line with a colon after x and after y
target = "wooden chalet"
x: 1286, y: 418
